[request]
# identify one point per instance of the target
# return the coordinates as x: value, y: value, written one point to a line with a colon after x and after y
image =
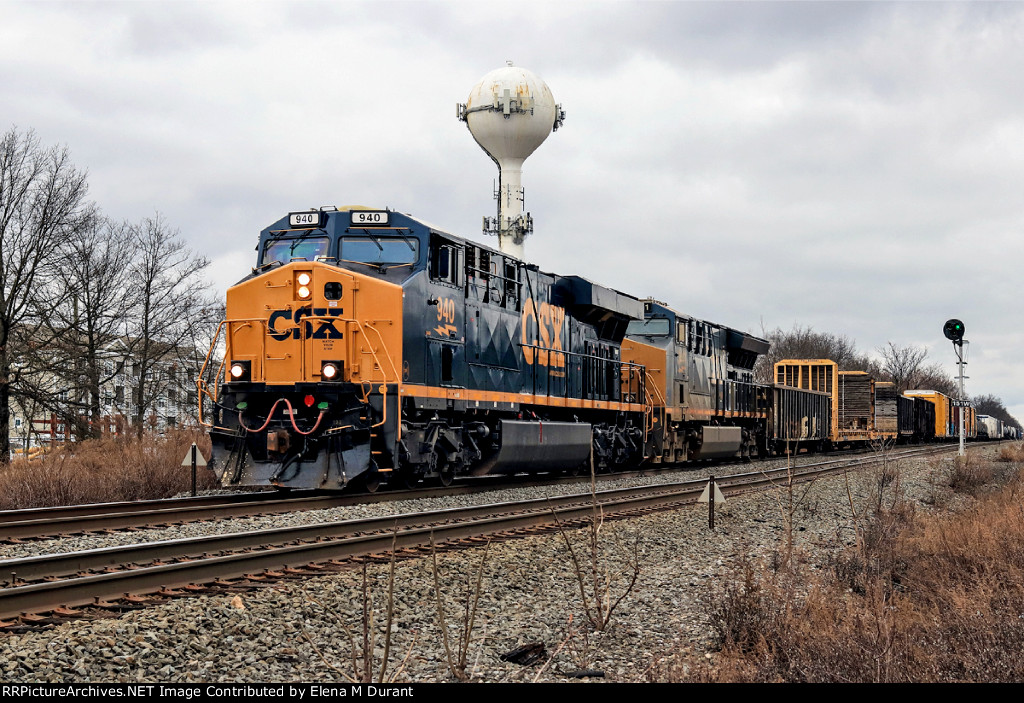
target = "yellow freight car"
x: 852, y: 393
x: 943, y: 411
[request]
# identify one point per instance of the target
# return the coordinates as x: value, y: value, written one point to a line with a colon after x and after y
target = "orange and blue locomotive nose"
x: 314, y: 356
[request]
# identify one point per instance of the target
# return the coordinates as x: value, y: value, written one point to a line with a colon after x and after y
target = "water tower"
x: 510, y: 113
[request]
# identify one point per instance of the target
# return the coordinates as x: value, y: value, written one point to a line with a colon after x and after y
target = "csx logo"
x: 549, y: 320
x: 324, y: 329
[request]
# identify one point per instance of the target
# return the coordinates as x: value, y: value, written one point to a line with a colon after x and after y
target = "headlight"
x: 331, y: 370
x: 303, y: 279
x: 240, y: 370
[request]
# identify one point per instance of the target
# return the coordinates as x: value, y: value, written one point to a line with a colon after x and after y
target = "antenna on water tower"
x: 510, y: 113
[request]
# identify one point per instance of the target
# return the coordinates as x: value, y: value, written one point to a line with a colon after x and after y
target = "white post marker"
x: 193, y: 458
x: 711, y: 495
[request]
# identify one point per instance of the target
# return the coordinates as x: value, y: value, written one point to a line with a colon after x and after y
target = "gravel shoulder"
x: 304, y: 630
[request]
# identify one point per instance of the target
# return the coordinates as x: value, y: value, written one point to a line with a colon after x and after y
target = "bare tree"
x: 903, y: 365
x: 805, y: 343
x: 42, y: 203
x: 90, y: 330
x: 166, y: 277
x: 935, y: 377
x: 991, y: 405
x: 200, y: 333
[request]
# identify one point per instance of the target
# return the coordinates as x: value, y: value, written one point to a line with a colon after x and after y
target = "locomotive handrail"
x: 623, y: 365
x: 660, y: 397
x: 384, y: 383
x: 201, y: 388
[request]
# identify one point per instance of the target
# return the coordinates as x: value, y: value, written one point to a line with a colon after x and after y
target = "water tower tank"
x: 510, y: 113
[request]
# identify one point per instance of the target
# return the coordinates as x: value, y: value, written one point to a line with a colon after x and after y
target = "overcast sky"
x: 854, y: 167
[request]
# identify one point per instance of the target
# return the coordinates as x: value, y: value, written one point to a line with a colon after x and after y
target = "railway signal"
x: 954, y: 331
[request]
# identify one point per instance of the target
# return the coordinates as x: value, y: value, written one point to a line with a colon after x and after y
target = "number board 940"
x: 369, y: 217
x: 304, y: 219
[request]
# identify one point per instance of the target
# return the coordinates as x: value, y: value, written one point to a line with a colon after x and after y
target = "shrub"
x: 105, y: 470
x: 923, y: 598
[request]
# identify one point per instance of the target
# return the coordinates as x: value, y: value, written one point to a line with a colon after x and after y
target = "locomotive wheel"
x: 407, y: 480
x: 439, y: 464
x: 445, y: 476
x: 371, y: 481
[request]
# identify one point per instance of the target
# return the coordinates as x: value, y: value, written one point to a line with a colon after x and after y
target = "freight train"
x: 368, y: 347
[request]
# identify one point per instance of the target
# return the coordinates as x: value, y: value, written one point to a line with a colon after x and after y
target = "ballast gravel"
x: 529, y: 593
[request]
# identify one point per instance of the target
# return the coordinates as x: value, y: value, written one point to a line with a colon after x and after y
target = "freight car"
x: 869, y: 411
x: 857, y: 415
x: 947, y: 417
x: 990, y: 427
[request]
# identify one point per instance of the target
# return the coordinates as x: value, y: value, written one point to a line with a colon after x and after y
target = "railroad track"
x: 46, y: 589
x: 45, y: 523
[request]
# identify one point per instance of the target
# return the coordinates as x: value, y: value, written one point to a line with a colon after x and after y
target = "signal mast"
x: 954, y: 331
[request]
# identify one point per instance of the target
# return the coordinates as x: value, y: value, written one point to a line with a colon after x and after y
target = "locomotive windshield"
x: 653, y: 327
x: 378, y: 251
x: 300, y: 249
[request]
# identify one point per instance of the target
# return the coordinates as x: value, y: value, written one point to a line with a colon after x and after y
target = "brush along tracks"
x: 135, y: 575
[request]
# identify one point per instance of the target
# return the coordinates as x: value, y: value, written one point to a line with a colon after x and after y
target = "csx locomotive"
x: 368, y: 346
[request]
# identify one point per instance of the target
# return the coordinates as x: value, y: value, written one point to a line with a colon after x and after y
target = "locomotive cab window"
x: 444, y: 263
x: 651, y: 327
x: 379, y: 251
x: 300, y: 249
x: 681, y: 333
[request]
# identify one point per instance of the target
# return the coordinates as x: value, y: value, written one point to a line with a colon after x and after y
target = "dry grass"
x: 922, y: 599
x: 1012, y: 453
x: 105, y: 470
x: 965, y: 474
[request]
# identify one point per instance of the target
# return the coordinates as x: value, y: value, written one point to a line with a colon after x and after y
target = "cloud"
x: 851, y: 166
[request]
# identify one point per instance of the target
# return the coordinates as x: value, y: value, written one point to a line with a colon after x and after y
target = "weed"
x: 928, y: 598
x: 601, y: 573
x: 458, y: 660
x: 1012, y: 453
x: 361, y: 656
x: 966, y: 475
